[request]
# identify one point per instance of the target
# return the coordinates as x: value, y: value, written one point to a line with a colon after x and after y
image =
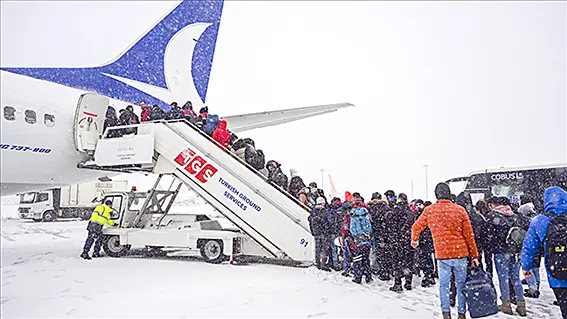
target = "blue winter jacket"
x: 555, y: 201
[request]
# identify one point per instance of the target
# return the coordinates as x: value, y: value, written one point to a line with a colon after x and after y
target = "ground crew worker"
x: 99, y: 217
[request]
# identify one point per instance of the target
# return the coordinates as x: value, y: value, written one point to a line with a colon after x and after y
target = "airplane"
x: 42, y: 108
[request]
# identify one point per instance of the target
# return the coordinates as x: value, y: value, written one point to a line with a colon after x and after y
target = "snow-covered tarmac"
x: 43, y: 276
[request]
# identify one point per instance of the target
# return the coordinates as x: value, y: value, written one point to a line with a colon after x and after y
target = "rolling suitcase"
x: 480, y: 294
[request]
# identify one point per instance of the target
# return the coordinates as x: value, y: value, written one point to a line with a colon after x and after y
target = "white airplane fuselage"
x: 38, y: 147
x: 22, y: 169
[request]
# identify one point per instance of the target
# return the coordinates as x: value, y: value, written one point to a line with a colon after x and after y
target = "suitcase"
x: 480, y: 294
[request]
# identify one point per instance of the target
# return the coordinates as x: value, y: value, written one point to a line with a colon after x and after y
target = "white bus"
x: 514, y: 182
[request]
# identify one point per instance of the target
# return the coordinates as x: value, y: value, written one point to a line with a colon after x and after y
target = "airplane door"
x: 89, y: 121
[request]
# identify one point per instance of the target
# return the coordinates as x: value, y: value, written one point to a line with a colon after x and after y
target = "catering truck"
x: 73, y: 201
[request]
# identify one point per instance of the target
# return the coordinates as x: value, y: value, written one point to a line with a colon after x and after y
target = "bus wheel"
x: 112, y: 246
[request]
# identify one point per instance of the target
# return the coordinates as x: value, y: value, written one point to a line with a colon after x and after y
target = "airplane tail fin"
x: 171, y: 62
x: 175, y: 55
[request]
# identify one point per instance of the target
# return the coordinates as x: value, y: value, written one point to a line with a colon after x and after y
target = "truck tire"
x: 112, y: 247
x: 49, y: 216
x: 212, y: 251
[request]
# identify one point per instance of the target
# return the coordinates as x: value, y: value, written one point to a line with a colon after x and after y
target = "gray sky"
x: 460, y: 86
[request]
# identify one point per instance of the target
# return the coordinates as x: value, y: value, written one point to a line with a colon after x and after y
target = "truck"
x: 142, y: 220
x: 73, y: 201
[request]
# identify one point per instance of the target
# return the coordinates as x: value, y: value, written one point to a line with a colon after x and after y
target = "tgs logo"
x: 196, y: 165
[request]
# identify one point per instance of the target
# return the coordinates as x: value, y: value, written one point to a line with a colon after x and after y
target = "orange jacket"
x: 451, y: 228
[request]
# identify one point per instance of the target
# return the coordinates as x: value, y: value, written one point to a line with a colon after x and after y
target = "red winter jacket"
x: 145, y: 114
x: 221, y: 134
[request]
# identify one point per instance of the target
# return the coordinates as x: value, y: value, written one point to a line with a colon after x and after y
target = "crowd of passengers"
x: 394, y: 238
x: 217, y: 130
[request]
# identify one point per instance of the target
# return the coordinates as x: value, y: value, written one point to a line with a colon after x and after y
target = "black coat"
x: 318, y: 222
x: 157, y: 114
x: 378, y: 209
x: 497, y: 227
x: 478, y: 223
x: 295, y: 185
x: 175, y: 114
x: 399, y: 222
x: 336, y: 218
x: 426, y: 239
x: 111, y: 120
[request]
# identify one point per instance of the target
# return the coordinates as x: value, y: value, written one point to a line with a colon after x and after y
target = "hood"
x: 222, y: 125
x: 377, y: 201
x: 293, y: 172
x: 504, y: 210
x: 555, y: 200
x: 527, y: 210
x: 271, y: 165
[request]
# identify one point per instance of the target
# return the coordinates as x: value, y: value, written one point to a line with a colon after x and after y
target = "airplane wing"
x: 245, y: 122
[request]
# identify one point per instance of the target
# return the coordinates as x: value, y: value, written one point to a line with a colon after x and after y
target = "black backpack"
x: 516, y: 235
x: 555, y: 243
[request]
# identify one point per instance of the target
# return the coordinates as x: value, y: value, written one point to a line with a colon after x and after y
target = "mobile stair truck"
x: 272, y: 218
x: 73, y: 201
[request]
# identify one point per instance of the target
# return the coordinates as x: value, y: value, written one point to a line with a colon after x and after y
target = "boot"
x: 97, y: 255
x: 446, y: 315
x: 397, y: 288
x: 461, y: 316
x: 531, y: 294
x: 521, y: 309
x: 425, y: 283
x: 524, y: 282
x: 407, y: 286
x: 506, y: 307
x: 85, y: 256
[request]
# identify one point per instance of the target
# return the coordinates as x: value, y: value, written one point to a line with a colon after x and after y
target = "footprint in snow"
x: 70, y: 312
x: 319, y: 314
x: 66, y: 290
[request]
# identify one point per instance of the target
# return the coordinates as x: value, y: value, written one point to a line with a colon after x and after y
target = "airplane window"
x: 9, y: 113
x: 30, y: 116
x: 49, y: 120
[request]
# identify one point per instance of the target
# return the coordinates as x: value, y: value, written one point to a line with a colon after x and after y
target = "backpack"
x: 212, y: 123
x: 259, y: 161
x: 516, y: 235
x: 360, y: 227
x: 555, y: 243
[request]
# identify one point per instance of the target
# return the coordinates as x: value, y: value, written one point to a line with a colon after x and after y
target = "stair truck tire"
x: 49, y: 216
x: 112, y: 247
x: 212, y: 250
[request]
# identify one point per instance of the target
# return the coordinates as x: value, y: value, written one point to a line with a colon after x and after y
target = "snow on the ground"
x: 43, y: 276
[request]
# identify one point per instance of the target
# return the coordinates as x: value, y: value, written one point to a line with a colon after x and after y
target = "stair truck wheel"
x: 212, y: 251
x: 113, y: 248
x: 49, y: 216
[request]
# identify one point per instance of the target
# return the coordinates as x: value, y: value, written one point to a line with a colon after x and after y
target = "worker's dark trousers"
x: 95, y: 234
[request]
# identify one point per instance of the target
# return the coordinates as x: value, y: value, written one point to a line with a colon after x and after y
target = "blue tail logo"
x: 172, y: 62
